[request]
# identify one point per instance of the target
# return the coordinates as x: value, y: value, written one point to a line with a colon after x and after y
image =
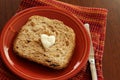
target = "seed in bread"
x: 31, y: 44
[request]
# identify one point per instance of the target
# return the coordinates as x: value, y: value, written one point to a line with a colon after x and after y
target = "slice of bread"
x: 28, y: 43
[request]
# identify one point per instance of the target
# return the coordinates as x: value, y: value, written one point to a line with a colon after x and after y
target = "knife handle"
x: 93, y: 69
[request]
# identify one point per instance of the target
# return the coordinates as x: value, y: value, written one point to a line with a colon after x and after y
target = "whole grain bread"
x: 27, y: 43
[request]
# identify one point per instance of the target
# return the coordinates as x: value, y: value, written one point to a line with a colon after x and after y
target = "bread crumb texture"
x: 27, y: 43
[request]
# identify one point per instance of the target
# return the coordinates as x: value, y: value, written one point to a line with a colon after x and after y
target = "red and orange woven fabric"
x: 96, y: 17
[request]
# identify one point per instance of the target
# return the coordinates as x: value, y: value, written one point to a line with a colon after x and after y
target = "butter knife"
x: 91, y: 56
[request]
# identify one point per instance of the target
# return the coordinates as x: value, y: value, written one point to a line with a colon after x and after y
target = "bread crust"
x: 27, y: 43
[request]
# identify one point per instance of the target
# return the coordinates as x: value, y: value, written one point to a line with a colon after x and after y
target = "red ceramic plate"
x: 32, y: 71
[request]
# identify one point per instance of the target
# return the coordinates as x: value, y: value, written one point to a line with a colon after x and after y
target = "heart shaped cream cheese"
x: 47, y: 41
